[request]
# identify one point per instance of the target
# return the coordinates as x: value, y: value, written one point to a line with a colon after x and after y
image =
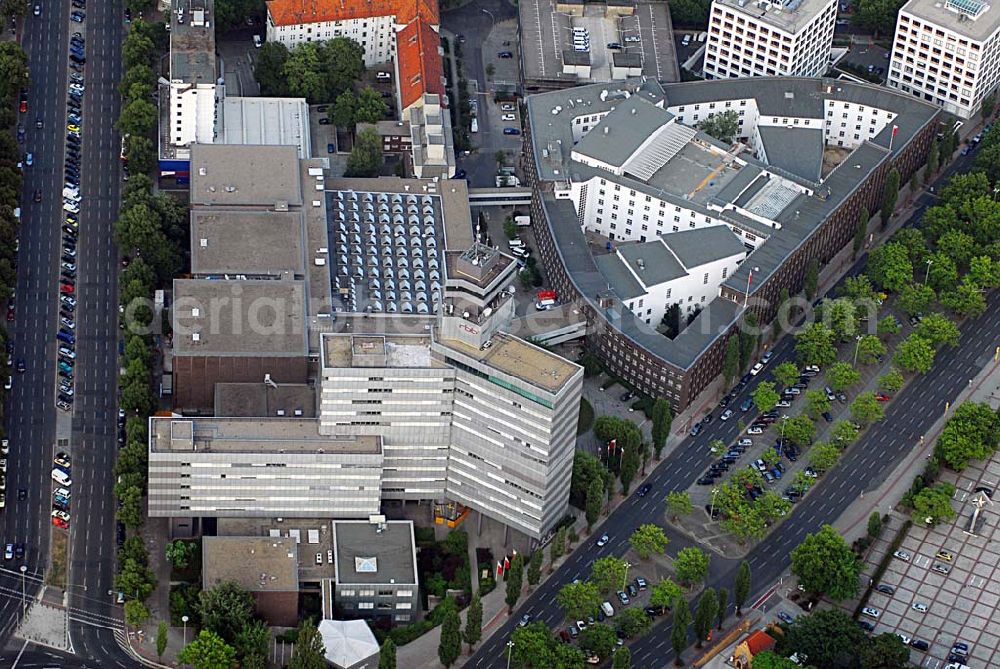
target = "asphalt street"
x: 862, y: 467
x: 32, y: 413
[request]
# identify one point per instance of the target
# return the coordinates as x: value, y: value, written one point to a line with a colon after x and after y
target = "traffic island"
x: 59, y: 559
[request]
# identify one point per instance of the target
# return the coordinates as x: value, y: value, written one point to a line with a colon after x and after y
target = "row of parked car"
x: 72, y: 199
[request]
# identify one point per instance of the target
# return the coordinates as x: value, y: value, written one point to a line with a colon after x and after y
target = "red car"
x: 66, y: 288
x: 24, y: 107
x: 60, y: 523
x: 882, y: 397
x: 10, y: 313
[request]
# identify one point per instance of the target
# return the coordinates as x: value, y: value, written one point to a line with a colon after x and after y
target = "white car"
x: 757, y: 369
x: 755, y: 430
x: 745, y: 442
x: 870, y: 611
x: 257, y: 42
x: 902, y: 637
x: 8, y: 552
x: 783, y: 404
x: 61, y: 515
x: 62, y: 492
x: 603, y: 541
x: 902, y: 555
x: 508, y: 117
x: 726, y: 415
x: 920, y: 606
x: 66, y: 352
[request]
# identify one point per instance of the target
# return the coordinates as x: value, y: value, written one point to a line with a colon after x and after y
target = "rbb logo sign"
x: 469, y: 328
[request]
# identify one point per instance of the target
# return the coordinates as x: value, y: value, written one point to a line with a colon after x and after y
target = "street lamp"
x: 927, y: 273
x: 184, y: 619
x: 625, y: 575
x: 24, y: 601
x: 510, y: 644
x: 857, y: 347
x: 493, y: 21
x: 715, y: 491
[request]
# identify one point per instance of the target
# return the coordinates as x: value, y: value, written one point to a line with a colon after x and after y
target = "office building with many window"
x: 756, y: 38
x: 945, y: 52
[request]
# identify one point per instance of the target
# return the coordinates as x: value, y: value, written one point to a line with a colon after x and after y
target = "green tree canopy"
x: 225, y: 609
x: 679, y: 503
x: 786, y: 374
x: 915, y: 354
x: 814, y: 345
x: 648, y: 539
x: 724, y: 126
x: 664, y: 593
x: 825, y: 564
x: 828, y: 637
x: 691, y: 565
x: 889, y: 266
x: 365, y: 159
x: 579, y: 600
x: 865, y: 409
x: 972, y: 433
x: 608, y: 573
x: 933, y: 502
x: 208, y: 651
x: 841, y: 376
x: 598, y: 639
x: 310, y: 653
x: 765, y: 397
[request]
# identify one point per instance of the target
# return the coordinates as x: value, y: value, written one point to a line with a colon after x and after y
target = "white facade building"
x: 375, y: 34
x: 945, y: 52
x: 748, y: 38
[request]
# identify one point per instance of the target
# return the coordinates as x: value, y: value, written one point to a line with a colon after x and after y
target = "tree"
x: 748, y: 338
x: 889, y: 196
x: 136, y: 613
x: 131, y: 510
x: 731, y: 360
x: 595, y: 499
x: 825, y: 564
x: 822, y: 457
x: 365, y: 159
x: 870, y: 349
x: 891, y: 381
x: 179, y: 553
x: 138, y: 117
x: 161, y: 638
x: 799, y: 430
x: 860, y: 233
x: 933, y: 504
x: 965, y: 300
x: 874, y: 524
x: 208, y: 651
x: 957, y: 245
x: 865, y: 409
x: 663, y: 417
x: 225, y: 609
x: 664, y: 593
x: 622, y: 659
x: 915, y: 354
x: 765, y: 397
x: 814, y: 345
x: 810, y: 282
x: 786, y: 374
x: 984, y: 272
x: 579, y: 600
x: 608, y: 573
x: 723, y: 127
x: 648, y: 539
x: 704, y: 617
x: 841, y: 376
x: 679, y: 503
x: 634, y: 622
x: 722, y: 606
x: 586, y: 469
x: 828, y: 637
x: 768, y: 659
x: 387, y: 654
x: 450, y: 645
x: 474, y: 621
x: 933, y: 161
x: 678, y: 636
x: 842, y: 316
x: 558, y: 546
x: 535, y: 567
x: 886, y: 651
x: 691, y: 565
x: 371, y: 106
x: 252, y: 645
x: 534, y: 647
x: 599, y: 639
x: 972, y: 433
x: 270, y: 68
x: 741, y: 589
x: 141, y: 154
x: 515, y: 580
x: 939, y: 330
x: 887, y: 326
x: 310, y: 653
x: 889, y: 266
x: 341, y: 112
x: 816, y: 403
x: 137, y: 50
x: 941, y: 272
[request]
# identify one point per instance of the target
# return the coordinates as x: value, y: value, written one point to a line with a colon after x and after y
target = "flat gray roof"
x: 192, y: 43
x: 652, y: 262
x: 371, y: 350
x: 259, y: 564
x: 703, y: 245
x: 795, y: 150
x: 622, y: 132
x: 618, y: 277
x: 244, y: 174
x: 789, y: 20
x: 365, y: 554
x: 247, y: 242
x: 252, y: 435
x: 267, y: 121
x: 260, y: 400
x: 239, y: 318
x: 939, y: 13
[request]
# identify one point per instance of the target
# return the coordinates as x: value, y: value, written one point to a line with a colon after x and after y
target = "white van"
x: 608, y: 609
x: 545, y: 305
x: 516, y: 243
x: 61, y: 477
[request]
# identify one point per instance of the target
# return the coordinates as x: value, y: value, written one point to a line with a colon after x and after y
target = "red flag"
x: 895, y: 129
x: 613, y: 444
x: 506, y: 563
x: 499, y: 570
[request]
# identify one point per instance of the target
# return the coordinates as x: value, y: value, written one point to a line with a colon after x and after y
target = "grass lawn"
x: 60, y: 558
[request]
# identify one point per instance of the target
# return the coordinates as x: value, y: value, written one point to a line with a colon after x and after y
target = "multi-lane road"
x: 32, y: 415
x: 863, y: 467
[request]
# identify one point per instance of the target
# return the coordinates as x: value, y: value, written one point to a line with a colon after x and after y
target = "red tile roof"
x: 293, y: 12
x: 760, y: 641
x: 419, y: 62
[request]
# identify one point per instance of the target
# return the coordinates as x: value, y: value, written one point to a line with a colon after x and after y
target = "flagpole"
x: 895, y: 129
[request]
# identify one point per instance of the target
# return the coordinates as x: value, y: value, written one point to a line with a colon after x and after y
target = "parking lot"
x: 962, y: 604
x: 546, y: 34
